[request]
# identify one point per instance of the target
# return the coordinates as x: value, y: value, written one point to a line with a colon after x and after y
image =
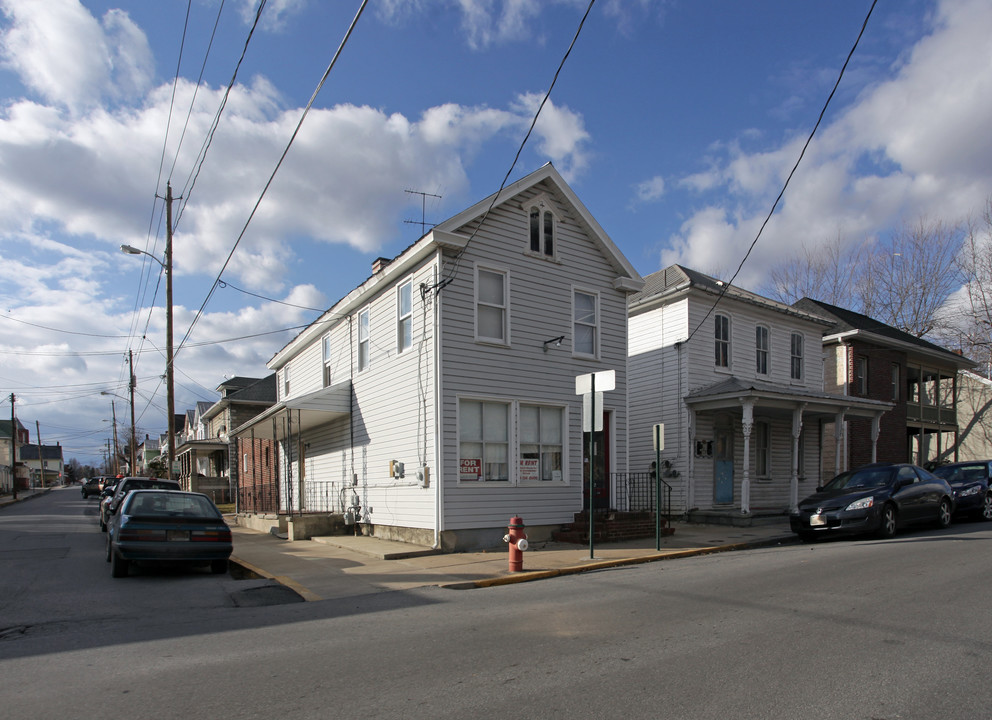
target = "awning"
x: 730, y: 392
x: 300, y: 414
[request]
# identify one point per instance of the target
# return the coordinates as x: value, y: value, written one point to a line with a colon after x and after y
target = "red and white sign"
x: 530, y: 470
x: 471, y: 469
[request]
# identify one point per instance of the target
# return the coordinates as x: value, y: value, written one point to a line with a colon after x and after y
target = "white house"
x: 737, y: 381
x: 437, y: 399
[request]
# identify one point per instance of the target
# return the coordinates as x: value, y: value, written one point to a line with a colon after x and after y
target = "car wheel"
x: 887, y: 528
x: 986, y: 513
x: 218, y: 567
x: 118, y: 566
x: 944, y: 514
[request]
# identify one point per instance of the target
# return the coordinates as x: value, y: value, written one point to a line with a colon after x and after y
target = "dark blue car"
x: 878, y: 498
x: 970, y: 481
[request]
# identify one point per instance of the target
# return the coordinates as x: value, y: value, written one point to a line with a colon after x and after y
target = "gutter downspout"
x: 438, y: 409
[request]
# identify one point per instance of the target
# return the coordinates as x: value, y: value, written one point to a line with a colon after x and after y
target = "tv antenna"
x: 423, y: 210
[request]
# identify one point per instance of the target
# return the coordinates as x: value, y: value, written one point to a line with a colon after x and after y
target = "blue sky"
x: 676, y: 122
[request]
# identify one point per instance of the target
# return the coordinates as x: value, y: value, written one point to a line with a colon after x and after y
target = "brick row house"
x: 865, y: 358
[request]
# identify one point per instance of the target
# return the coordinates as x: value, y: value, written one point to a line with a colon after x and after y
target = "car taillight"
x: 139, y: 535
x: 219, y: 535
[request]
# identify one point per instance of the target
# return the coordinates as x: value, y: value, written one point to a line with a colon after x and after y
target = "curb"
x: 606, y: 564
x: 10, y: 501
x: 253, y: 570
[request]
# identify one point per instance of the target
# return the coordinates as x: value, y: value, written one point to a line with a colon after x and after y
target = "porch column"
x: 875, y: 427
x: 840, y: 463
x: 690, y: 490
x: 747, y: 422
x: 797, y: 429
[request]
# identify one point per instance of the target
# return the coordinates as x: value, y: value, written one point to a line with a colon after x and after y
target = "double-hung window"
x: 326, y: 356
x: 540, y: 443
x: 861, y: 375
x: 721, y: 341
x: 585, y: 328
x: 484, y: 440
x: 285, y: 381
x: 404, y: 316
x: 797, y: 356
x: 761, y: 349
x: 491, y: 306
x: 364, y: 336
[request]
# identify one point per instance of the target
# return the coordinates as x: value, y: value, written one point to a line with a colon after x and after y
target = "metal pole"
x: 13, y: 449
x: 657, y: 487
x: 592, y: 462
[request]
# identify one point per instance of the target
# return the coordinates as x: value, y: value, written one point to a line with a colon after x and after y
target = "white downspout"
x: 438, y: 415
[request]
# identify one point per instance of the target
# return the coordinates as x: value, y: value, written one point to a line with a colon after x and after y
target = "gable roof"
x: 847, y: 324
x: 676, y: 280
x: 445, y: 235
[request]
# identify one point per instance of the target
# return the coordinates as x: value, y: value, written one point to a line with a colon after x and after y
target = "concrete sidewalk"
x: 342, y: 566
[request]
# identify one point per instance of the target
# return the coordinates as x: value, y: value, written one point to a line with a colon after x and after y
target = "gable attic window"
x: 542, y: 224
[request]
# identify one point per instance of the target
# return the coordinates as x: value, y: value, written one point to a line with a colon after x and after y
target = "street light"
x: 167, y: 266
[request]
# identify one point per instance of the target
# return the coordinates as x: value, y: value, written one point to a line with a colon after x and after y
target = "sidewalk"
x: 342, y: 566
x: 22, y: 495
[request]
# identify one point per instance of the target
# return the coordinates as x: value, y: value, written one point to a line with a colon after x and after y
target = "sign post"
x: 659, y: 445
x: 585, y: 385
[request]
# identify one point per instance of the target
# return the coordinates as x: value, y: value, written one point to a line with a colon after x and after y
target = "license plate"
x: 817, y: 521
x: 177, y: 535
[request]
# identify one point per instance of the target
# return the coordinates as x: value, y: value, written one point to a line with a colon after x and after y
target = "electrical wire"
x: 275, y: 170
x: 792, y: 172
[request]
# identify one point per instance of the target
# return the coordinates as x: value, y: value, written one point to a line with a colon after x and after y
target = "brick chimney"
x: 380, y: 264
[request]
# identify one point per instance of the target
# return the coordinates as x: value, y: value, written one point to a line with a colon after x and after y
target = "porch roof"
x: 308, y: 411
x: 729, y: 393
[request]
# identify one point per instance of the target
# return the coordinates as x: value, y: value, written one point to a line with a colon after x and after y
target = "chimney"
x: 379, y: 264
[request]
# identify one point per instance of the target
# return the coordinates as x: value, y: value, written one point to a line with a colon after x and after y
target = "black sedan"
x: 970, y: 481
x: 167, y: 526
x: 879, y: 498
x: 91, y: 486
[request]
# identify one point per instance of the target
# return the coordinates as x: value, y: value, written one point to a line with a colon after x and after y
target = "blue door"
x: 723, y: 470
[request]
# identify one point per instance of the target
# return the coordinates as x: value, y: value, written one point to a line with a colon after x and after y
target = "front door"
x: 723, y: 470
x: 600, y: 467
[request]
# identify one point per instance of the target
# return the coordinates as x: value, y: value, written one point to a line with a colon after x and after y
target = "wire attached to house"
x: 450, y: 275
x: 726, y: 286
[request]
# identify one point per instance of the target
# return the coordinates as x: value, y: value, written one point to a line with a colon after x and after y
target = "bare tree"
x: 903, y: 280
x: 971, y: 320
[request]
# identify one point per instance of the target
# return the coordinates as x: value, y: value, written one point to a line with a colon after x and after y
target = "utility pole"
x: 13, y: 447
x: 117, y: 462
x: 169, y: 384
x: 134, y: 442
x: 41, y: 461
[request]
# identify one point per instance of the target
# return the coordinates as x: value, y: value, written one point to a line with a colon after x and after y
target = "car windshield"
x: 171, y: 505
x: 961, y: 473
x: 861, y: 478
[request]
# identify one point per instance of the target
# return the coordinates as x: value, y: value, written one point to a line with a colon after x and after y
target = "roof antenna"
x: 423, y: 210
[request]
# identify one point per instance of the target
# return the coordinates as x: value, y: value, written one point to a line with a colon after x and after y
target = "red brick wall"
x: 258, y: 490
x: 892, y: 445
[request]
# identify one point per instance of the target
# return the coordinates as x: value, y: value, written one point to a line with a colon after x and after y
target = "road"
x: 881, y: 630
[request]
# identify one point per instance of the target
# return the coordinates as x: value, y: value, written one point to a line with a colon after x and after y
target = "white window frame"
x: 717, y: 341
x: 511, y: 453
x: 505, y: 307
x: 363, y: 362
x: 545, y: 210
x: 762, y: 352
x: 563, y: 445
x: 285, y: 381
x: 325, y: 355
x: 404, y: 319
x: 595, y: 325
x: 797, y: 360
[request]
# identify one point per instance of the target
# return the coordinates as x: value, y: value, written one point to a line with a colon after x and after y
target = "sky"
x: 676, y: 122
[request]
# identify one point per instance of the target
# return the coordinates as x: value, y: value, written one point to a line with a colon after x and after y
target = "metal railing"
x: 635, y: 492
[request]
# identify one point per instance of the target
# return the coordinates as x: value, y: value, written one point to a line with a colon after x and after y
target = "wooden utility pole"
x: 117, y: 462
x: 169, y: 381
x: 41, y: 461
x: 134, y: 440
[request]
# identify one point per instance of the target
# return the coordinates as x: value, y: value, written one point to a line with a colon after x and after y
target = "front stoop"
x: 611, y: 526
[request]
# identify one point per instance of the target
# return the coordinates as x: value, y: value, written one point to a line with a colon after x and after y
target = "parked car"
x: 108, y: 480
x: 105, y: 496
x: 970, y: 481
x: 91, y: 486
x: 880, y: 498
x: 167, y: 526
x: 124, y: 486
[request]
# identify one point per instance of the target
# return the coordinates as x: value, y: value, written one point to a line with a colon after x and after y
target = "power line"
x: 792, y: 172
x: 275, y: 170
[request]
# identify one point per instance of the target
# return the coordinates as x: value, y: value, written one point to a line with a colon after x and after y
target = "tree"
x: 971, y: 318
x: 903, y: 280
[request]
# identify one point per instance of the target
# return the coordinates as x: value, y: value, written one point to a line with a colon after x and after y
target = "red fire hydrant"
x: 517, y: 541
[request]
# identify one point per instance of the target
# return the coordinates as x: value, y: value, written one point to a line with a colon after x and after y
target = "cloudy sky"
x: 675, y: 121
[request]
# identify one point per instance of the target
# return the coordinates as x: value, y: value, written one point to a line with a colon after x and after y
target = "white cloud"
x: 914, y: 144
x: 650, y: 190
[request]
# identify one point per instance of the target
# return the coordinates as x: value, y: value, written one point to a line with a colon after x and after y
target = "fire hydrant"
x: 517, y: 540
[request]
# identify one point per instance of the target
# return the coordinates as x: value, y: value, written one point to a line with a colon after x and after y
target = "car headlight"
x: 970, y: 491
x: 862, y: 504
